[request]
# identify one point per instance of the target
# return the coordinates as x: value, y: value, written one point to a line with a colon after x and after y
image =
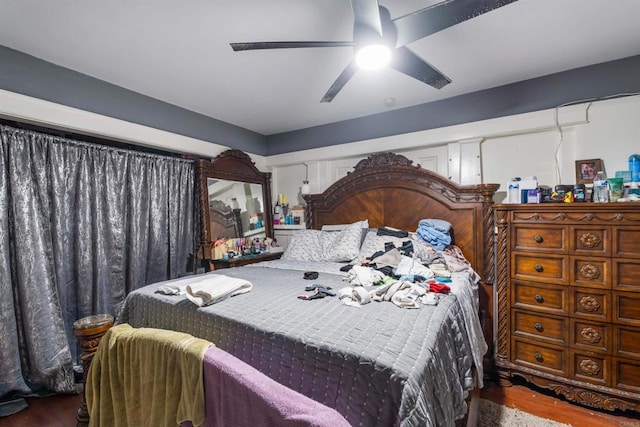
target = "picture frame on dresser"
x: 586, y: 170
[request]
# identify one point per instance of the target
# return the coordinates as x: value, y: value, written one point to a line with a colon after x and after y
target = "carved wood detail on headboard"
x: 388, y: 190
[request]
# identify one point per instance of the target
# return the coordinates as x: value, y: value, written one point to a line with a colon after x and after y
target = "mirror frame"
x: 232, y: 165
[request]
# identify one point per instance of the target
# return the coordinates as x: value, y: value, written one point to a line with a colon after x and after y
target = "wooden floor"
x: 545, y: 404
x: 60, y: 410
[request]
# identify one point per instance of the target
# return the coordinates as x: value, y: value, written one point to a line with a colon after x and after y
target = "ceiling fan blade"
x: 430, y: 20
x: 342, y: 80
x: 407, y: 62
x: 286, y: 45
x: 366, y: 20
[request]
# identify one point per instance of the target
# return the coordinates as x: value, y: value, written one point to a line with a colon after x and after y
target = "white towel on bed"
x: 172, y: 290
x: 215, y: 288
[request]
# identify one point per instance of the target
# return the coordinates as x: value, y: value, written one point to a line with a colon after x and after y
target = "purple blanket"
x: 238, y: 395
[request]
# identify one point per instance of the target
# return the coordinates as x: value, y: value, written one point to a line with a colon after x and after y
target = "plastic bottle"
x: 600, y: 188
x: 634, y: 167
x: 513, y: 190
x: 276, y: 212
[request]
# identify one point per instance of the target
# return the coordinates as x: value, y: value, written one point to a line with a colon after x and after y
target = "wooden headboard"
x: 389, y: 191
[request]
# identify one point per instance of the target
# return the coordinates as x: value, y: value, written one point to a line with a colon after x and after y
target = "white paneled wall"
x: 544, y: 144
x: 612, y: 134
x: 288, y: 179
x: 520, y: 155
x: 464, y: 162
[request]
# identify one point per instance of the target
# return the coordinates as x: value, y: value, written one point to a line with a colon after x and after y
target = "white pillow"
x: 318, y: 245
x: 340, y: 227
x: 304, y: 246
x: 343, y: 245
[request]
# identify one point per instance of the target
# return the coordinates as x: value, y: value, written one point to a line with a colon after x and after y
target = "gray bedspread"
x: 378, y: 364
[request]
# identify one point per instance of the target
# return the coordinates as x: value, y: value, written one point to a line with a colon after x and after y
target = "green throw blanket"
x: 146, y: 377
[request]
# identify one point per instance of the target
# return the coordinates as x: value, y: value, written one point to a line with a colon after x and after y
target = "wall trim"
x: 23, y: 108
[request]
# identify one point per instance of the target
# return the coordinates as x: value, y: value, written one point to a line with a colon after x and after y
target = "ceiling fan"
x: 373, y: 26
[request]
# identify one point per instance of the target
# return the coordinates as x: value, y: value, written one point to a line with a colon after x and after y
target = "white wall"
x: 544, y: 143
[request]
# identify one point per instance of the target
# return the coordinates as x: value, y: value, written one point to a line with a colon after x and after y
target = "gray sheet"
x: 378, y: 365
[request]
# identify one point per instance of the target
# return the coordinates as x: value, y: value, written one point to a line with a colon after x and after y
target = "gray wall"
x: 31, y: 76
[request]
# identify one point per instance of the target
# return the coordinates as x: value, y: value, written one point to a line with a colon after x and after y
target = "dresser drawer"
x: 626, y: 308
x: 590, y: 272
x: 626, y: 341
x: 593, y: 368
x: 590, y: 336
x: 541, y: 297
x: 548, y: 268
x: 626, y: 275
x: 539, y: 356
x: 541, y: 326
x: 626, y: 242
x: 592, y: 304
x: 590, y: 240
x: 626, y: 374
x: 535, y: 239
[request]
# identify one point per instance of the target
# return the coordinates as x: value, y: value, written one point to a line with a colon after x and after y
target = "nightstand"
x: 284, y: 233
x: 89, y: 331
x: 244, y: 260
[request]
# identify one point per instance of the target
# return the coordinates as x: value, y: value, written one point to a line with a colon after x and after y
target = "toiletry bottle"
x: 513, y: 190
x: 634, y: 167
x: 600, y: 188
x: 276, y: 212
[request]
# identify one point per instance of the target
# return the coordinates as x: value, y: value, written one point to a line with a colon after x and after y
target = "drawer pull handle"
x: 590, y: 367
x: 538, y: 327
x: 538, y: 268
x: 590, y: 271
x: 588, y: 240
x: 589, y: 303
x: 539, y: 298
x: 538, y: 238
x: 590, y: 335
x: 539, y: 357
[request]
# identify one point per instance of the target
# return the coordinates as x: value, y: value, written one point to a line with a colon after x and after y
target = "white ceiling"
x: 179, y: 52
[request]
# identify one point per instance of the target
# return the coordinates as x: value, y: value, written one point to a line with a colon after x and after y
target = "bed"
x: 377, y: 364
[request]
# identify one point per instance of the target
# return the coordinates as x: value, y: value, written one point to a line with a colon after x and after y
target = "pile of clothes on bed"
x: 402, y: 273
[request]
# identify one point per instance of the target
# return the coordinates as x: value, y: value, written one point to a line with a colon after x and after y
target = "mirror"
x: 237, y: 204
x: 235, y: 199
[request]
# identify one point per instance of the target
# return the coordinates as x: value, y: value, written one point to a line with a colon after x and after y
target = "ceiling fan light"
x: 373, y: 56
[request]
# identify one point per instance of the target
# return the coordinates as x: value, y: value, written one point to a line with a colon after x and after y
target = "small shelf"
x: 250, y: 233
x: 290, y: 227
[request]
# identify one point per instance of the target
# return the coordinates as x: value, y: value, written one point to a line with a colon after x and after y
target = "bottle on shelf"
x: 600, y: 188
x: 276, y: 213
x: 513, y: 190
x: 634, y: 167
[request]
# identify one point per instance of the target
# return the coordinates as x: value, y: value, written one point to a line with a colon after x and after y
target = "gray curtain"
x: 81, y: 225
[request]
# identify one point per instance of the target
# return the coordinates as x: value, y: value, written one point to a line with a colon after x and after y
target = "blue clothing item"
x: 439, y: 224
x: 436, y: 232
x: 412, y: 278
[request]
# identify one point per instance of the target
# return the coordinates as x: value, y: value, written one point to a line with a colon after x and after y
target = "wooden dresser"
x: 568, y: 300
